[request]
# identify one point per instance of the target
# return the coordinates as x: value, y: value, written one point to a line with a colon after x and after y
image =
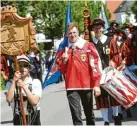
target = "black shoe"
x: 129, y: 114
x: 134, y: 105
x: 112, y: 117
x: 122, y: 108
x: 106, y: 123
x: 117, y: 120
x: 120, y: 115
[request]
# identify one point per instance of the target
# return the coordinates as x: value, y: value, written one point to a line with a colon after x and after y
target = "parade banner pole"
x: 87, y: 35
x: 17, y: 36
x: 20, y: 94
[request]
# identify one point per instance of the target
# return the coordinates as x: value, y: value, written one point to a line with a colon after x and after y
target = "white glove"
x: 65, y: 55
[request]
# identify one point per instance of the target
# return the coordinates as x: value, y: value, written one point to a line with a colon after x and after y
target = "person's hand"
x: 96, y: 91
x: 4, y: 76
x: 65, y: 55
x: 17, y: 76
x: 111, y: 63
x: 124, y: 61
x: 22, y: 84
x: 122, y: 65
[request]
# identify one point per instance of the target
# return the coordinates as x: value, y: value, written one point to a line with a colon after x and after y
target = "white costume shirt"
x: 36, y: 90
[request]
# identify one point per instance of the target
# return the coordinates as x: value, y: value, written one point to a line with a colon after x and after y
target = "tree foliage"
x: 41, y: 46
x: 127, y: 20
x: 22, y: 6
x: 134, y: 9
x: 49, y: 17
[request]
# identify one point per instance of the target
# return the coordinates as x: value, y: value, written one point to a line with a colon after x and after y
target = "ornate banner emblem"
x: 86, y: 24
x: 17, y: 33
x: 107, y: 50
x: 83, y: 57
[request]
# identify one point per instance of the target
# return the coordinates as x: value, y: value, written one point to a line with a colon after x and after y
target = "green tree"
x: 22, y: 6
x: 77, y: 14
x: 127, y: 21
x: 41, y: 46
x: 134, y: 9
x: 2, y: 83
x: 49, y: 17
x: 94, y: 9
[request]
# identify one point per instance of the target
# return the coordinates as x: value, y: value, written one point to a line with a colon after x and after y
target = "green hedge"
x: 2, y: 84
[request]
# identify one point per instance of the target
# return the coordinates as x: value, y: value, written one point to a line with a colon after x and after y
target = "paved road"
x: 55, y: 109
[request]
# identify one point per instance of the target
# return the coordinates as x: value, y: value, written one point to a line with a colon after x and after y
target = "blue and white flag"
x: 103, y: 16
x: 53, y: 74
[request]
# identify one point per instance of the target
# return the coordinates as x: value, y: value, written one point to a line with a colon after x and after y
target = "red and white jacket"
x: 83, y: 68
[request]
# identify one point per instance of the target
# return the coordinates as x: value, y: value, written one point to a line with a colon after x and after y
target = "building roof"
x: 112, y: 6
x: 124, y: 6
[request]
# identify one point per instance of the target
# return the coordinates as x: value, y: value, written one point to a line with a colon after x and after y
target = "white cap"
x: 23, y: 58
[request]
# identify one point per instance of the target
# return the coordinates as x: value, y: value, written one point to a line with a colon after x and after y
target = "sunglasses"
x: 24, y: 65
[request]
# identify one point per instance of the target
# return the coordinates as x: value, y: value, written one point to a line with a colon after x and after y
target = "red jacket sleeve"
x: 127, y: 52
x: 62, y: 66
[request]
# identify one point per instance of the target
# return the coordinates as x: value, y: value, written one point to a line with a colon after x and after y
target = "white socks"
x: 115, y: 110
x: 104, y: 113
x: 119, y: 109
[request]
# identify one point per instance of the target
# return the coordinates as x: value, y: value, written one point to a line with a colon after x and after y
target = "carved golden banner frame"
x: 17, y: 33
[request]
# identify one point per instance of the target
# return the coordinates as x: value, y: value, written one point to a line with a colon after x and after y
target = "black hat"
x: 127, y: 26
x: 114, y: 24
x: 110, y: 31
x: 120, y: 32
x: 97, y: 21
x: 134, y: 27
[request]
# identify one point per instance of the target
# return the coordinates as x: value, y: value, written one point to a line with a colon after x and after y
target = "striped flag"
x: 53, y: 74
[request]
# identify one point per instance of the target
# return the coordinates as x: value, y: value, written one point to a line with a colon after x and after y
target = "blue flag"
x: 103, y: 16
x: 53, y: 74
x: 68, y: 16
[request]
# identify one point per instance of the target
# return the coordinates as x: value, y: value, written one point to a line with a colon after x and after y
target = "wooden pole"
x: 21, y: 96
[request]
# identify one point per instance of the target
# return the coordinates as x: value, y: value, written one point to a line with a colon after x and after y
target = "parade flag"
x: 103, y: 16
x: 53, y: 74
x: 68, y: 16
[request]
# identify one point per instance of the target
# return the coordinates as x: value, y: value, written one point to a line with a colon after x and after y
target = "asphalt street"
x: 55, y: 109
